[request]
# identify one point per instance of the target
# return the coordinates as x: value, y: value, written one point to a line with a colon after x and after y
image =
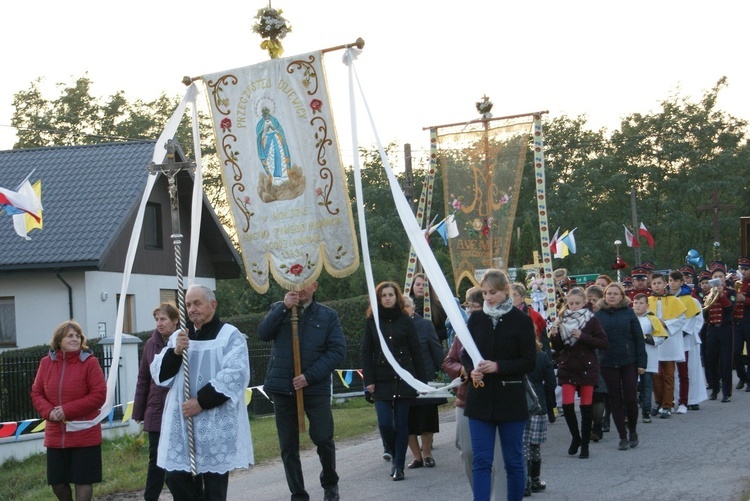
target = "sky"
x: 425, y: 63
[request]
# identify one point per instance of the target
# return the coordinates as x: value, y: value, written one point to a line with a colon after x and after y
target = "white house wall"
x: 41, y: 301
x: 145, y: 288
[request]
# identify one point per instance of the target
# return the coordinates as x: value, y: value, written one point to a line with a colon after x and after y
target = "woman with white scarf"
x: 575, y: 339
x: 496, y: 399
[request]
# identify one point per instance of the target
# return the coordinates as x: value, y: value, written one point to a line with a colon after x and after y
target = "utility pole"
x: 715, y: 207
x: 408, y: 177
x: 636, y: 225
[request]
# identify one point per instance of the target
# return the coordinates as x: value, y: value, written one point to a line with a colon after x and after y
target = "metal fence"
x: 17, y: 375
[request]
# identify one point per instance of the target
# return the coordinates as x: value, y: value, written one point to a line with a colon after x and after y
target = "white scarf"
x: 571, y: 321
x: 495, y: 312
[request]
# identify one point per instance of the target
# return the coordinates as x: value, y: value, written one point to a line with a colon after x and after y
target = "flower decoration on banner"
x: 316, y: 105
x: 484, y: 107
x: 297, y: 268
x: 226, y: 125
x: 271, y: 25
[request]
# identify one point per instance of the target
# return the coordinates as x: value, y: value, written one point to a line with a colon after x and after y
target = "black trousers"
x: 204, y: 487
x: 718, y: 361
x: 155, y: 475
x: 318, y: 410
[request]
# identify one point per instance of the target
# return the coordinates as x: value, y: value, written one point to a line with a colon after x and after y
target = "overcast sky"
x: 425, y: 62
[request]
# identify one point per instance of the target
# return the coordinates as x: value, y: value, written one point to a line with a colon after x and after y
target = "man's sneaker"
x: 387, y: 456
x: 665, y: 413
x: 694, y: 407
x: 647, y: 417
x: 681, y: 409
x: 654, y: 411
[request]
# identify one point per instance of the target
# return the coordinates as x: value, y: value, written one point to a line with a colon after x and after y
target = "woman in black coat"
x: 392, y: 395
x: 575, y: 339
x: 496, y: 399
x: 622, y: 361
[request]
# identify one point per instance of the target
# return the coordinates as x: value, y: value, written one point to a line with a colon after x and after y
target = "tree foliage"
x: 672, y: 158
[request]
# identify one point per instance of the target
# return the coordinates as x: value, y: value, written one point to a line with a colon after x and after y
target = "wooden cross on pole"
x: 715, y: 207
x: 536, y: 265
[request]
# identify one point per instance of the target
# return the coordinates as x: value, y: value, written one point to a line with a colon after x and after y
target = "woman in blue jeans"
x: 496, y: 399
x: 392, y: 395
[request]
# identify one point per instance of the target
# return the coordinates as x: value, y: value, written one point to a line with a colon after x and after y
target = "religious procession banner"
x: 282, y: 171
x: 482, y: 165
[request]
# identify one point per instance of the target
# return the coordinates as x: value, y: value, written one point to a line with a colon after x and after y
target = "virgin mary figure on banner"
x: 282, y: 171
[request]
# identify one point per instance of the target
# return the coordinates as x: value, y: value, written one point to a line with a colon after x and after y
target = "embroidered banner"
x: 282, y: 171
x: 482, y: 165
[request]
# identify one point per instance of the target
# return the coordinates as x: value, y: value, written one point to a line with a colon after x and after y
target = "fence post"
x: 129, y: 365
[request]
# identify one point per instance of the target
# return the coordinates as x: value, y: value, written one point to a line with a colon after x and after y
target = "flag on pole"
x: 447, y: 228
x: 23, y: 223
x: 630, y: 240
x: 560, y: 247
x: 643, y: 232
x: 15, y: 202
x: 569, y: 240
x: 553, y: 243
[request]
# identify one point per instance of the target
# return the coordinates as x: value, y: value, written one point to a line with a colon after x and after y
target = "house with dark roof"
x: 73, y: 267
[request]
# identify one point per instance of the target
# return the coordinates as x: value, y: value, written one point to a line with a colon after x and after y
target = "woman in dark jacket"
x: 424, y: 419
x: 148, y: 403
x: 496, y: 399
x: 575, y: 339
x: 622, y: 361
x: 392, y: 395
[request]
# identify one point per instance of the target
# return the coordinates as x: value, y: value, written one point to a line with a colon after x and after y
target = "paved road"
x: 701, y: 455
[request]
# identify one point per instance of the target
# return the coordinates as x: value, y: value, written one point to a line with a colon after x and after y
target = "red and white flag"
x: 643, y: 232
x: 630, y: 240
x: 553, y: 243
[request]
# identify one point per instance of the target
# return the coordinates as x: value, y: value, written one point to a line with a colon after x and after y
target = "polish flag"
x: 553, y: 243
x: 630, y: 240
x: 643, y: 232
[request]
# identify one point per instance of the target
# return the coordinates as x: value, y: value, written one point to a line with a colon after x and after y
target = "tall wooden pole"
x: 298, y: 370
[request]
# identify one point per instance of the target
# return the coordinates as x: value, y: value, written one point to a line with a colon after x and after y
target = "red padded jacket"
x: 76, y: 381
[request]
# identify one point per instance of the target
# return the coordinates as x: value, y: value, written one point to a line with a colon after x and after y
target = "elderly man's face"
x: 199, y: 309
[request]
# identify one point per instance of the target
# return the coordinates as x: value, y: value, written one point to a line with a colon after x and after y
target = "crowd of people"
x: 657, y: 343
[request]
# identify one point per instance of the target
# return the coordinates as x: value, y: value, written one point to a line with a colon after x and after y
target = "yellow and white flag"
x: 282, y: 171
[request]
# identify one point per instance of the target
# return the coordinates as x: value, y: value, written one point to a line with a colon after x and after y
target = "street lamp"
x: 618, y: 243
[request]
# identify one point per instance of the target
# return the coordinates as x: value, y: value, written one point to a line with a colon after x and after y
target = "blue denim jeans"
x: 393, y: 422
x: 511, y: 444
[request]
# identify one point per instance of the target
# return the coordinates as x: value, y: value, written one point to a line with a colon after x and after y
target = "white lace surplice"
x: 222, y: 434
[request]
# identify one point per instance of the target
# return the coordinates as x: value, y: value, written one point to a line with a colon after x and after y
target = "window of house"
x: 168, y: 296
x: 152, y: 232
x: 128, y: 320
x: 7, y: 321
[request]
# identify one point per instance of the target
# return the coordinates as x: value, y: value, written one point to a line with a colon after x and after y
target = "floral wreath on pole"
x: 271, y: 25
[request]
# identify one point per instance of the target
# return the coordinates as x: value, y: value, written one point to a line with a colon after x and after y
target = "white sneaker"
x: 681, y: 409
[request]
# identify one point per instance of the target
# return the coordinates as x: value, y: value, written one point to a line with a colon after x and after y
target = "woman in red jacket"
x: 69, y: 385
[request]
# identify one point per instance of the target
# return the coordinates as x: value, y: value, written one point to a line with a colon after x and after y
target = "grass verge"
x: 125, y: 459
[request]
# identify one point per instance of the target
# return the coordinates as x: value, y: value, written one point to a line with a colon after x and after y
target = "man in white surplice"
x: 219, y: 374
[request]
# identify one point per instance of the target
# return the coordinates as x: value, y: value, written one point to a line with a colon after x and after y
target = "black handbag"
x: 535, y: 409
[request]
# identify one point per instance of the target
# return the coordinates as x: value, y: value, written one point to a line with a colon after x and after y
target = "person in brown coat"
x: 575, y: 338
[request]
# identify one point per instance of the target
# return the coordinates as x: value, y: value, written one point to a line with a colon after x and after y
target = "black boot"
x: 572, y: 421
x: 586, y: 419
x: 537, y: 485
x: 527, y: 490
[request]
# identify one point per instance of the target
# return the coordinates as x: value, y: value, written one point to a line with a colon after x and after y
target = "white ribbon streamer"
x: 416, y: 237
x: 169, y: 131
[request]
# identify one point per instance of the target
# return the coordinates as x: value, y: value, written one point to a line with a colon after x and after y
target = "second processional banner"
x: 482, y: 164
x: 282, y: 170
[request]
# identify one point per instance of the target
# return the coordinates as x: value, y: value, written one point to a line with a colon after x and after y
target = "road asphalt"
x: 701, y: 455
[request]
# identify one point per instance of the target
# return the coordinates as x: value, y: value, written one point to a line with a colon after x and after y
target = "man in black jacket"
x: 322, y: 350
